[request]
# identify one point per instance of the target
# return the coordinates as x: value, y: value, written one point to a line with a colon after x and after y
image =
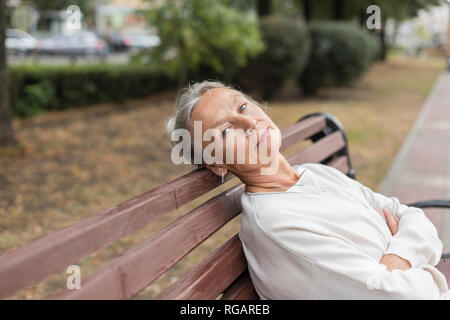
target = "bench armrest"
x: 332, y: 125
x: 431, y: 204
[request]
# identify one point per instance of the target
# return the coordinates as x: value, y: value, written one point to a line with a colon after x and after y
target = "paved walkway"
x: 421, y: 168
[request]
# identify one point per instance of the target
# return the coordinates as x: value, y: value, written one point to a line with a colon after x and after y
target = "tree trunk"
x: 264, y: 7
x: 338, y: 9
x: 307, y: 10
x: 7, y: 137
x: 362, y: 18
x: 382, y: 33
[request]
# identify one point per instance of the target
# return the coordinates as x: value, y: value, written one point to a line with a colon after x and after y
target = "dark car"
x: 117, y: 41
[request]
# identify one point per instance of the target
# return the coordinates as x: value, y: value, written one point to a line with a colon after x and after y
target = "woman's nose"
x: 248, y: 124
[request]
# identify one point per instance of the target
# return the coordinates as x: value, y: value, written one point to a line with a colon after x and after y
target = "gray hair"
x: 187, y: 99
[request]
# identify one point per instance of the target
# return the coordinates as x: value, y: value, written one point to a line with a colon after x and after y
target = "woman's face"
x: 250, y: 139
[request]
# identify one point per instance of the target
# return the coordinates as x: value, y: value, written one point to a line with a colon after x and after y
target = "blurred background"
x: 86, y: 88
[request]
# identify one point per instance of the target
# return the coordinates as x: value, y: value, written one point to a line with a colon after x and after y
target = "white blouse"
x: 323, y: 239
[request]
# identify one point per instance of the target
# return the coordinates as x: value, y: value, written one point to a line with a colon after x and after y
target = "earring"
x: 222, y: 177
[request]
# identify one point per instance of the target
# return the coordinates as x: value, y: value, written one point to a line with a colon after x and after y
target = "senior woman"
x: 308, y: 231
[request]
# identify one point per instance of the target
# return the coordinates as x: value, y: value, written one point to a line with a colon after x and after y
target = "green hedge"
x: 287, y: 49
x: 341, y: 52
x: 35, y: 88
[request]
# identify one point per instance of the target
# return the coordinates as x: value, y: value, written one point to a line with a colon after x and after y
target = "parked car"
x: 141, y: 39
x: 77, y: 43
x: 116, y: 41
x: 18, y: 41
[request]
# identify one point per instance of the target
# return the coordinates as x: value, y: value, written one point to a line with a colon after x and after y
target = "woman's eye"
x: 224, y: 132
x: 242, y: 107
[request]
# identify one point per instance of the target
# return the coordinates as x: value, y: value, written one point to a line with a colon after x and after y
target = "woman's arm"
x: 342, y: 271
x: 393, y: 261
x: 416, y: 240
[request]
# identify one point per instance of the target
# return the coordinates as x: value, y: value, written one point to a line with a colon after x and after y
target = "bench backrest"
x: 224, y: 272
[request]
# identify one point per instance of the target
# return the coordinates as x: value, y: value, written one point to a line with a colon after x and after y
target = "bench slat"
x: 241, y: 289
x: 301, y: 131
x: 212, y: 276
x: 340, y: 163
x: 320, y: 150
x: 33, y: 262
x: 146, y: 261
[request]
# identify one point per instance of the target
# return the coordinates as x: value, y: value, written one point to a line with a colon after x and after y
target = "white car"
x: 142, y: 39
x: 19, y: 41
x: 77, y: 43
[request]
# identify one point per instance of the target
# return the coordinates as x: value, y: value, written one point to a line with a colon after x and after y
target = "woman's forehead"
x: 213, y: 102
x: 220, y: 97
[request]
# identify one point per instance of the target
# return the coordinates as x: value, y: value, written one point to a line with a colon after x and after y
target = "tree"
x: 7, y: 137
x: 200, y: 35
x: 398, y: 10
x: 356, y: 10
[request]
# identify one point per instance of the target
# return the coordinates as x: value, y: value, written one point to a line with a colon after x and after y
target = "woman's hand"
x: 393, y: 261
x: 391, y: 220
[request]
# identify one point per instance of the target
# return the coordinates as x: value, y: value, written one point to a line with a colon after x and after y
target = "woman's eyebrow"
x: 234, y: 101
x: 236, y: 97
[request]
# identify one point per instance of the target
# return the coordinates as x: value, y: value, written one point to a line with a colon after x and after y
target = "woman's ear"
x: 217, y: 170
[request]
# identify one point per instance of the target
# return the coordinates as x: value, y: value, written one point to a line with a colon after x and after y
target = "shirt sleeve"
x: 355, y: 275
x: 341, y: 270
x: 417, y: 239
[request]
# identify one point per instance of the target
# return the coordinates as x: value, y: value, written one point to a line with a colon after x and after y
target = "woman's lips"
x: 263, y: 136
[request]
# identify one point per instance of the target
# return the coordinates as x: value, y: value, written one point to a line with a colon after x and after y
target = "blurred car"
x: 116, y: 41
x: 141, y: 39
x: 18, y: 41
x: 77, y: 43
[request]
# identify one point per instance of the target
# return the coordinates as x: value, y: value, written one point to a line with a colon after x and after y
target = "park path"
x: 421, y: 168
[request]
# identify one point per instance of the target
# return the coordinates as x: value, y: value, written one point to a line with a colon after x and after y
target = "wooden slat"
x: 241, y: 289
x: 340, y: 163
x: 301, y: 131
x: 125, y: 276
x: 320, y: 150
x: 212, y: 276
x: 36, y: 260
x: 33, y: 262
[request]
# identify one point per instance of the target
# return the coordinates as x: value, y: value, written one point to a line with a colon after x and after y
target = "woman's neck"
x: 283, y: 179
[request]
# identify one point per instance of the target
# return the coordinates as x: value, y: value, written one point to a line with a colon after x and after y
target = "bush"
x: 35, y: 98
x: 340, y: 53
x: 35, y: 88
x: 287, y: 49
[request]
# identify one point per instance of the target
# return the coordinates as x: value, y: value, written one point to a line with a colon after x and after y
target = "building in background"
x: 22, y: 15
x: 119, y: 22
x: 426, y: 34
x: 107, y: 16
x: 118, y: 15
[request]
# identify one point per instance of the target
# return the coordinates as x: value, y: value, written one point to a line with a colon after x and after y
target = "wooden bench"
x: 222, y: 274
